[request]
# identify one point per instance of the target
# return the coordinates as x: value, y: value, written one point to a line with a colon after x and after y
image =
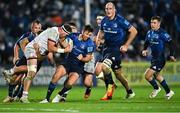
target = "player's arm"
x: 85, y: 59
x: 16, y: 53
x: 172, y: 51
x: 51, y: 59
x: 132, y: 34
x: 53, y: 48
x: 23, y: 43
x: 99, y: 38
x: 146, y: 44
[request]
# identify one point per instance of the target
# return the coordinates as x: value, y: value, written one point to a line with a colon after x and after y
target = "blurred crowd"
x: 16, y: 16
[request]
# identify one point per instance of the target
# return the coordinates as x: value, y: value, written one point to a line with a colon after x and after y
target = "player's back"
x: 43, y: 37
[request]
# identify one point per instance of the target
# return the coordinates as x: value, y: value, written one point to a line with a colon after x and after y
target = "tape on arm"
x: 59, y: 50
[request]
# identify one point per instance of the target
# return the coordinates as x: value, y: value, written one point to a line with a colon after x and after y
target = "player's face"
x: 36, y: 28
x: 74, y: 29
x: 110, y: 10
x: 98, y: 20
x: 155, y: 25
x: 86, y: 35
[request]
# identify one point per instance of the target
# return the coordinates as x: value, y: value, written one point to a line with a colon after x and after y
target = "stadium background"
x: 15, y: 16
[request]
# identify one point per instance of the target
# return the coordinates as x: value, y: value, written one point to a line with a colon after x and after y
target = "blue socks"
x: 154, y: 84
x: 51, y: 88
x: 11, y: 90
x: 165, y: 86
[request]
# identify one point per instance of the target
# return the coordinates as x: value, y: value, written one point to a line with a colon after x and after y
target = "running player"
x: 156, y: 38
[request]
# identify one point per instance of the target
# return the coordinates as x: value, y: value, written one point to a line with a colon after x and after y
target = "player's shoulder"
x: 26, y: 34
x: 149, y: 31
x: 164, y: 32
x: 90, y: 42
x: 54, y: 29
x: 73, y: 35
x: 104, y: 19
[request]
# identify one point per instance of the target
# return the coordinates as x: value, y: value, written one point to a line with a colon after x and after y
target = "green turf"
x: 76, y: 103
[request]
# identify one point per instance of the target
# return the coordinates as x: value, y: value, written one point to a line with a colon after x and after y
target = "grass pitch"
x: 76, y: 103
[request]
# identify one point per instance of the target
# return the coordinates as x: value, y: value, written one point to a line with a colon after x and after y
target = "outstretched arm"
x: 16, y: 53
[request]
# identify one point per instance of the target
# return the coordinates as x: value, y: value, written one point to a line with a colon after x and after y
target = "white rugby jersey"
x: 42, y: 39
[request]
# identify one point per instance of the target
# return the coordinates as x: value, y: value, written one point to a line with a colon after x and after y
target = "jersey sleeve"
x: 101, y: 25
x: 124, y: 23
x: 90, y: 47
x: 52, y: 34
x: 166, y: 37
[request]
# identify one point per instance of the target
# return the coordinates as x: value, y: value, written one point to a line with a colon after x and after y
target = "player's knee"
x: 68, y: 85
x: 32, y: 68
x: 147, y: 77
x: 98, y: 69
x: 88, y: 82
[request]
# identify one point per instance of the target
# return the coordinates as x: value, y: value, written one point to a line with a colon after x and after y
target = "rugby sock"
x: 25, y: 94
x: 51, y: 88
x: 64, y: 90
x: 16, y: 90
x: 165, y: 86
x: 154, y: 84
x: 11, y: 90
x: 106, y: 82
x: 109, y: 77
x: 88, y: 90
x: 20, y: 91
x: 65, y: 94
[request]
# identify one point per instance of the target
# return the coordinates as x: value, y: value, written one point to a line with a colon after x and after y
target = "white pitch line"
x: 44, y: 109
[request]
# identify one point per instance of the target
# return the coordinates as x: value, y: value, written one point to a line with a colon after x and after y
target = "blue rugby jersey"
x: 114, y: 31
x: 80, y: 46
x: 157, y: 40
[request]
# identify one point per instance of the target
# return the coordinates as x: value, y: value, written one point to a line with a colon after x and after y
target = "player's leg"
x: 32, y: 69
x: 13, y: 89
x: 124, y: 82
x: 162, y: 81
x: 19, y: 68
x: 89, y: 69
x: 149, y: 76
x: 106, y: 68
x: 73, y: 77
x: 88, y: 77
x: 18, y: 93
x: 60, y: 72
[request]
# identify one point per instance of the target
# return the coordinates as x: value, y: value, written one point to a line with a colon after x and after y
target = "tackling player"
x: 83, y: 48
x: 37, y: 49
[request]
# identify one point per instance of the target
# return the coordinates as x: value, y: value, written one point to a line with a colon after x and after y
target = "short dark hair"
x: 66, y: 28
x: 88, y: 28
x: 37, y: 21
x: 72, y: 24
x: 158, y: 18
